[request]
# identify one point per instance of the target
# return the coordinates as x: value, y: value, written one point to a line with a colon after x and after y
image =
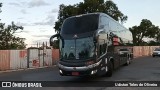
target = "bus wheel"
x: 109, y: 69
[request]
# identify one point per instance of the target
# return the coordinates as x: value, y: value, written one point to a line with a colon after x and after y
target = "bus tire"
x: 110, y: 69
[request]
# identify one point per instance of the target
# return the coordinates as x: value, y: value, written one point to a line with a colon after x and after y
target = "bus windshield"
x: 81, y: 24
x: 77, y: 49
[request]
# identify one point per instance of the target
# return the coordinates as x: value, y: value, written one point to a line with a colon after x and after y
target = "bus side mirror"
x: 52, y: 37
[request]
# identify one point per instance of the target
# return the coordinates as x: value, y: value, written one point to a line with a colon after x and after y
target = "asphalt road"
x: 141, y: 69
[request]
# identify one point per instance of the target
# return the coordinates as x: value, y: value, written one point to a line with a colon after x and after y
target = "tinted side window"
x: 104, y: 22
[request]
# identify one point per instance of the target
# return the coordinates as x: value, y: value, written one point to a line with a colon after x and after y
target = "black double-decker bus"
x: 87, y: 45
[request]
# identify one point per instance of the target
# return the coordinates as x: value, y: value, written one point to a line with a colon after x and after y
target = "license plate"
x: 75, y: 73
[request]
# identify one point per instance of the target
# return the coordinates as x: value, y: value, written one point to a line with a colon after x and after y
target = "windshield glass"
x: 81, y: 24
x: 77, y: 48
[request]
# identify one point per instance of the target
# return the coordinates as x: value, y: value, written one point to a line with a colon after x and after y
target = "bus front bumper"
x: 79, y: 71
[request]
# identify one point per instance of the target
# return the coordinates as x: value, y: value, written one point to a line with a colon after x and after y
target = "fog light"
x: 93, y: 72
x: 61, y: 71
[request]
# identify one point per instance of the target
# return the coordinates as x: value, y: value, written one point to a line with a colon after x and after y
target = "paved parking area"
x: 141, y: 69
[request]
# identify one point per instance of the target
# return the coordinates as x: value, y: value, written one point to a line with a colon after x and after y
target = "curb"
x: 6, y: 71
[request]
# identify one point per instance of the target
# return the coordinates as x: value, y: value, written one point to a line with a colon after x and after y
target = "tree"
x: 89, y: 6
x: 8, y: 40
x: 145, y: 30
x: 153, y: 43
x: 0, y: 6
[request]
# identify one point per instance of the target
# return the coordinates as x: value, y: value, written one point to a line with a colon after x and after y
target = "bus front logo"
x: 75, y: 36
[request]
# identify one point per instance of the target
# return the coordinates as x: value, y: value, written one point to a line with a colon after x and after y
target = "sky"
x: 38, y: 16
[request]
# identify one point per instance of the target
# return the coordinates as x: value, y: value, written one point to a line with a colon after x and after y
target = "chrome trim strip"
x: 79, y: 68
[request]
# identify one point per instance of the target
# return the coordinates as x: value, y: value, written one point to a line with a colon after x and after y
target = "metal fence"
x: 30, y: 58
x: 4, y: 59
x: 139, y: 51
x: 33, y: 58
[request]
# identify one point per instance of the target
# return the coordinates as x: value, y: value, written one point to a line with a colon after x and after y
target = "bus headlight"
x: 94, y: 65
x: 93, y: 72
x: 89, y: 63
x: 61, y: 71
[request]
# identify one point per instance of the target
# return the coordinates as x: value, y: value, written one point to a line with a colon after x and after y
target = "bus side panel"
x: 114, y: 59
